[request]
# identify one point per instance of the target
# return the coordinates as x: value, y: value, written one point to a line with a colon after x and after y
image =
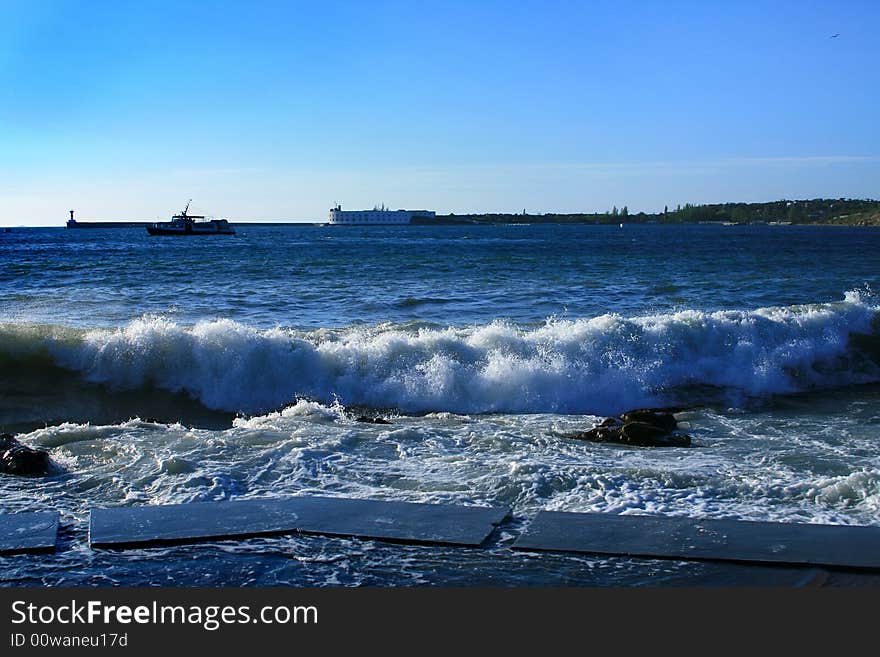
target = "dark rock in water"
x: 19, y: 459
x: 600, y: 434
x: 641, y: 433
x: 372, y: 420
x: 654, y: 416
x: 647, y: 435
x: 676, y: 440
x: 644, y: 427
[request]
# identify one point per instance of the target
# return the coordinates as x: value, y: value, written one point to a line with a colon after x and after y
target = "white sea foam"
x: 600, y: 364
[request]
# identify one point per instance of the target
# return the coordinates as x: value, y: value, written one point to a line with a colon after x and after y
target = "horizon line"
x: 307, y: 221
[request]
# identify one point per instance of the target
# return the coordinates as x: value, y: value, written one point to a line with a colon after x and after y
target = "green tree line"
x: 842, y: 210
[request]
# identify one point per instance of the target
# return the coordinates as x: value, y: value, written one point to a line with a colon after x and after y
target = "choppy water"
x: 169, y: 370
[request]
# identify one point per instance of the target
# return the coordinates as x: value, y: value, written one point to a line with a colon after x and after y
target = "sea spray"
x: 602, y: 364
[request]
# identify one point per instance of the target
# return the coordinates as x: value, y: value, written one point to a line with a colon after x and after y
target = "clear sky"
x: 276, y: 110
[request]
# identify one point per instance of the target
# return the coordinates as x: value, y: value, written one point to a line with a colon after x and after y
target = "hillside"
x: 855, y: 212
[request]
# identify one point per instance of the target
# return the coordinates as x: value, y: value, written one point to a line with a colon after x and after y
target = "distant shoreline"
x: 847, y: 212
x: 92, y: 225
x: 813, y: 212
x: 86, y: 225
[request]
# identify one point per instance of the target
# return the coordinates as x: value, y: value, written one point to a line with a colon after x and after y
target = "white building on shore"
x: 374, y: 217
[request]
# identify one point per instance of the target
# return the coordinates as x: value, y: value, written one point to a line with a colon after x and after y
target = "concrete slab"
x: 688, y: 538
x: 395, y: 521
x: 28, y: 532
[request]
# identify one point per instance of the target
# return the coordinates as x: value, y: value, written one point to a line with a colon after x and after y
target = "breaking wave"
x: 598, y: 365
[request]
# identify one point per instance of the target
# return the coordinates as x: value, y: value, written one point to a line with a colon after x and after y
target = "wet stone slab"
x: 395, y: 521
x: 28, y: 532
x: 688, y: 538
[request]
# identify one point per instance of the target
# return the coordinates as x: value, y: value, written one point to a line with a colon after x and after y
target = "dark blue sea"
x: 168, y: 369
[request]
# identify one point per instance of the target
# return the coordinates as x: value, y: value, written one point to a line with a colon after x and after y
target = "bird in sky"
x: 834, y: 36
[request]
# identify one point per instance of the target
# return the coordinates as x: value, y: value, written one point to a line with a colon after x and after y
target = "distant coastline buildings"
x: 818, y: 211
x: 375, y: 217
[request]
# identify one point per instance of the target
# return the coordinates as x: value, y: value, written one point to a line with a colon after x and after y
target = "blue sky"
x: 277, y: 110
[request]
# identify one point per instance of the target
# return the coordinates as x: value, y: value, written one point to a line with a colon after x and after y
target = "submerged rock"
x: 644, y: 427
x: 19, y: 459
x: 600, y: 434
x: 656, y: 417
x: 372, y: 420
x: 643, y: 434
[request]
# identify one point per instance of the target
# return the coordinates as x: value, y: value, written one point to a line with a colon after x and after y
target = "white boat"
x: 186, y: 224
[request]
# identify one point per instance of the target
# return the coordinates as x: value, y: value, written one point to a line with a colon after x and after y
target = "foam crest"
x: 597, y: 365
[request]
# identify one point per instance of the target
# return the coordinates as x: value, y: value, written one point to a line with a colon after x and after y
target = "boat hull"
x: 154, y: 230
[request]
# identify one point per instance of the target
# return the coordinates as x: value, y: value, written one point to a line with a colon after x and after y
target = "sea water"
x: 166, y: 369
